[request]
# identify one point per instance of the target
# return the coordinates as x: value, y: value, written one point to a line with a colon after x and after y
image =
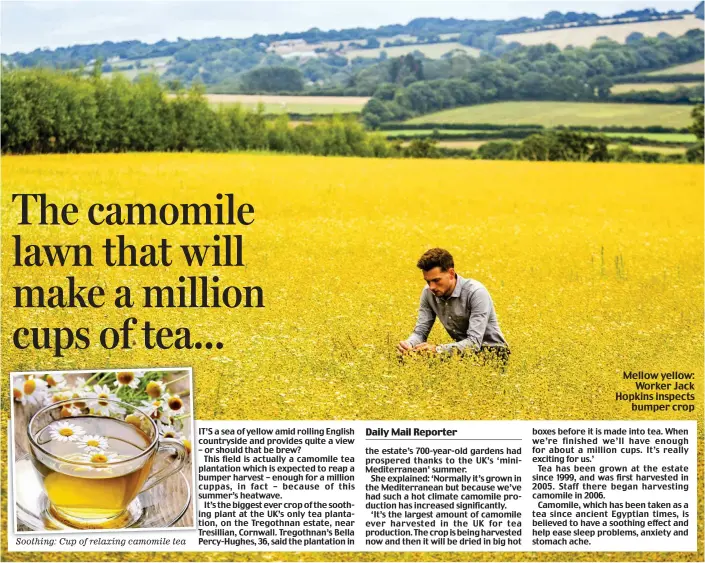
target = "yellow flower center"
x: 187, y: 445
x: 29, y: 386
x: 99, y: 458
x: 66, y: 432
x: 17, y: 394
x: 125, y: 377
x: 93, y: 443
x: 65, y: 412
x: 175, y: 403
x: 153, y: 389
x: 169, y: 434
x: 103, y: 396
x: 51, y: 382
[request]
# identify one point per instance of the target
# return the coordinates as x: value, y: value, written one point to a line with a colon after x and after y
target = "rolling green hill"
x: 553, y: 114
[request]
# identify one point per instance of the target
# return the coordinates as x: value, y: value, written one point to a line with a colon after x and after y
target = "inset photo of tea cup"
x: 103, y: 450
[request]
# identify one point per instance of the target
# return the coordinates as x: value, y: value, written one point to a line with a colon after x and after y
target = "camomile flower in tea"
x: 92, y: 443
x: 99, y: 457
x: 99, y: 460
x: 65, y: 432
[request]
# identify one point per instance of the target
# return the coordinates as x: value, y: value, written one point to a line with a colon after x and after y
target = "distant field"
x: 586, y: 36
x: 433, y: 50
x: 660, y: 150
x: 153, y: 61
x: 293, y: 104
x: 673, y: 137
x: 636, y: 148
x: 694, y: 67
x: 468, y: 144
x: 427, y: 132
x: 283, y: 47
x: 645, y: 86
x: 148, y: 66
x: 552, y: 114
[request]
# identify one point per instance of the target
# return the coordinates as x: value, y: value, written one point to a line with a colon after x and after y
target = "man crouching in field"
x: 464, y: 307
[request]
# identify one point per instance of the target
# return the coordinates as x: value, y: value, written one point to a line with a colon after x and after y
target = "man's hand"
x: 425, y: 347
x: 403, y: 347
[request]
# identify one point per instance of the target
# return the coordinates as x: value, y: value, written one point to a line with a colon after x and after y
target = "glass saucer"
x: 160, y: 507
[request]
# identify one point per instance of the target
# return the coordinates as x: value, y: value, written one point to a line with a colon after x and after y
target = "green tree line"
x: 46, y: 111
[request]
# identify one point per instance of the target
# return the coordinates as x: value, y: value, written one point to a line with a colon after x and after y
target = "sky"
x: 27, y: 25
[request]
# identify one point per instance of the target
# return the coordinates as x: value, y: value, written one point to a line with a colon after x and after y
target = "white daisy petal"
x: 128, y: 379
x: 174, y: 405
x: 154, y: 408
x: 55, y: 380
x: 65, y: 431
x: 92, y: 443
x: 99, y: 459
x: 101, y: 404
x: 33, y: 389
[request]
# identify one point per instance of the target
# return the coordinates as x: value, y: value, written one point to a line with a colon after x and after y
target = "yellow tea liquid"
x: 93, y: 492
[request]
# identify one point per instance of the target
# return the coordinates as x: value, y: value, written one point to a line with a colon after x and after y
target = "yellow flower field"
x: 594, y: 269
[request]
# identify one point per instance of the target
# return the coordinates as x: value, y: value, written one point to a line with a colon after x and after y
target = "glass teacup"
x: 92, y: 466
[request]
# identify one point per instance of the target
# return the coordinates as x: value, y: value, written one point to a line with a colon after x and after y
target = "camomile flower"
x: 70, y: 410
x: 153, y: 408
x: 128, y: 379
x: 168, y: 431
x: 102, y: 404
x: 92, y: 443
x: 174, y: 404
x: 65, y: 432
x: 29, y: 390
x: 99, y: 458
x: 78, y: 396
x: 157, y: 409
x: 155, y: 389
x: 59, y: 395
x: 55, y: 381
x: 18, y: 390
x: 186, y: 443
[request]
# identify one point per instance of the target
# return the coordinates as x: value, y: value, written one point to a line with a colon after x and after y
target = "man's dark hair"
x: 435, y: 258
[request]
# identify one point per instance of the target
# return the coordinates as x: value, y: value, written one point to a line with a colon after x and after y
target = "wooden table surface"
x: 21, y: 414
